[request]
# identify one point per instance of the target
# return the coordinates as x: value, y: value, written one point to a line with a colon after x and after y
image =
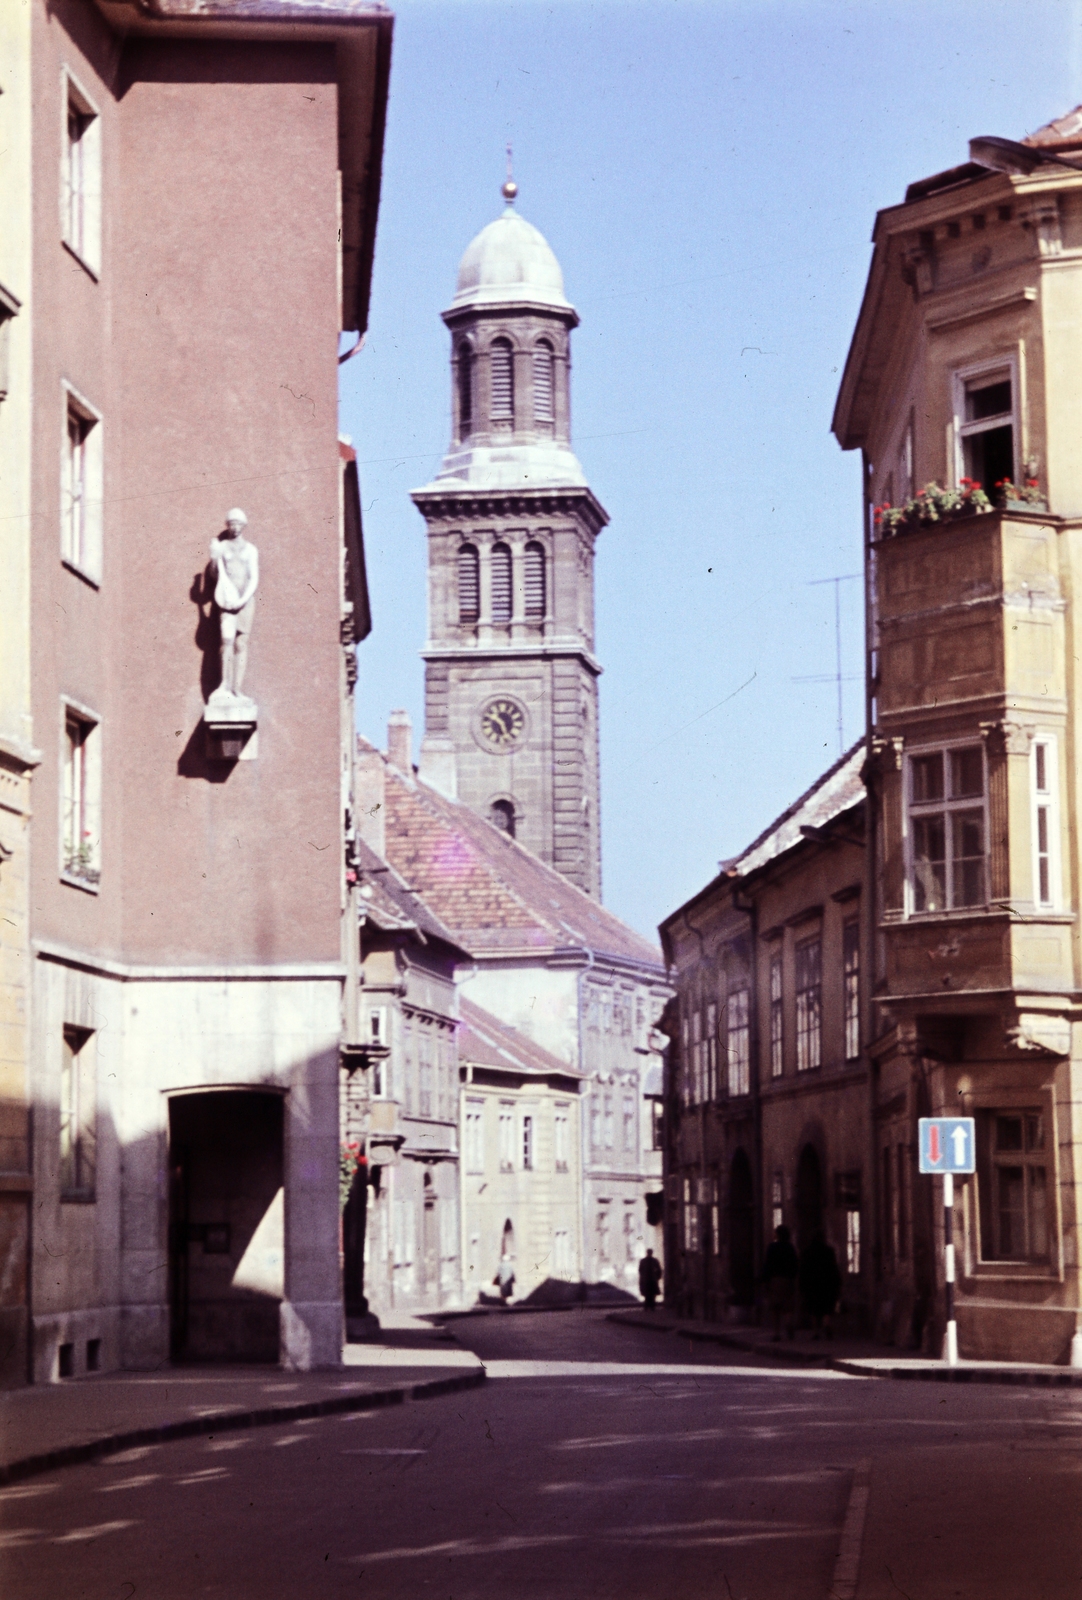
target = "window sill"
x: 93, y: 273
x: 81, y: 572
x: 79, y: 883
x: 1013, y: 1272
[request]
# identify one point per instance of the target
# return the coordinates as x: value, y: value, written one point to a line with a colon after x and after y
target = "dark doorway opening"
x: 226, y: 1205
x: 354, y: 1226
x: 809, y: 1196
x: 741, y: 1231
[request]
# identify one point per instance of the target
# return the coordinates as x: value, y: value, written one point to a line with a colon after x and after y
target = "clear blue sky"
x: 708, y: 175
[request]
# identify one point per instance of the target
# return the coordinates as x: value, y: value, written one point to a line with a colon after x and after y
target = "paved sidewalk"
x: 862, y: 1357
x: 58, y: 1424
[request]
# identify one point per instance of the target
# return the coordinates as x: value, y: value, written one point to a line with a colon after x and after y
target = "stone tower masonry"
x: 511, y: 704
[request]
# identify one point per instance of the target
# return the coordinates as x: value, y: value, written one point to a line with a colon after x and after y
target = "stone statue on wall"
x: 236, y: 563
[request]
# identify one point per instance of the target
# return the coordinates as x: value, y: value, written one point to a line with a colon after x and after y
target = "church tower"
x: 511, y: 705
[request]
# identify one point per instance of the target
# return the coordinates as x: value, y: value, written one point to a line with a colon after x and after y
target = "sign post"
x: 948, y: 1145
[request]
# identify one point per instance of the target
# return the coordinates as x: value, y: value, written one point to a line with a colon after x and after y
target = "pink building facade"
x: 204, y: 202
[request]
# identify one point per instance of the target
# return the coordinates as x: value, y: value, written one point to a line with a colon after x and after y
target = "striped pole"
x: 950, y: 1344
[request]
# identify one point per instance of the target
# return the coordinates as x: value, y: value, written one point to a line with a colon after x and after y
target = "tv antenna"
x: 837, y: 675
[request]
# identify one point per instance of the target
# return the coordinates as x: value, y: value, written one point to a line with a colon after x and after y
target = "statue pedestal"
x: 230, y: 721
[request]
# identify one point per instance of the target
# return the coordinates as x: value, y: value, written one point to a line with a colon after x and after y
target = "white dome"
x: 509, y: 263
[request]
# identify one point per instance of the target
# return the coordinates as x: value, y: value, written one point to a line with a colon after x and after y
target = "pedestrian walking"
x: 780, y: 1270
x: 649, y: 1279
x: 820, y: 1283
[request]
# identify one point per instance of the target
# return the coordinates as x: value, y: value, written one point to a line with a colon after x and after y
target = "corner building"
x: 965, y: 365
x: 511, y: 704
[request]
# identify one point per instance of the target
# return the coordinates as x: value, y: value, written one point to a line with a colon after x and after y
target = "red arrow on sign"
x: 935, y: 1155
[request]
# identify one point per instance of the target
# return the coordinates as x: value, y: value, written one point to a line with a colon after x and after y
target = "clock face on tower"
x: 502, y: 723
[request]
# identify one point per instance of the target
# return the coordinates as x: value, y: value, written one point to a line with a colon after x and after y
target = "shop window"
x: 947, y: 828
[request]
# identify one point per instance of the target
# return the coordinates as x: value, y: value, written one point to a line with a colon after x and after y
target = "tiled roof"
x: 1063, y: 132
x: 485, y: 1041
x: 494, y: 895
x: 840, y: 787
x: 387, y: 902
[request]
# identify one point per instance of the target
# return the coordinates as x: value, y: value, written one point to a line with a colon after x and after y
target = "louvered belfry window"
x: 542, y: 382
x: 503, y: 409
x: 501, y: 583
x: 535, y: 583
x: 465, y: 391
x: 469, y: 584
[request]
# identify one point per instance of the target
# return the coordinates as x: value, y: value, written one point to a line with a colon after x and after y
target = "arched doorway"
x: 809, y: 1195
x: 741, y: 1231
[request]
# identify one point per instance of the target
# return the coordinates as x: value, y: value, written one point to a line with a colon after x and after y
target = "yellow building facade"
x: 963, y: 373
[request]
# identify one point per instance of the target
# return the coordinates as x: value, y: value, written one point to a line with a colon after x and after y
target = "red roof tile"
x: 485, y: 1041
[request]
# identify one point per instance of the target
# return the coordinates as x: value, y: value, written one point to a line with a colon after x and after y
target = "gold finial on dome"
x: 510, y: 188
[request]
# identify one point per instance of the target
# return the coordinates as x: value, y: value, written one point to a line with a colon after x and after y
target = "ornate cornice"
x: 454, y: 503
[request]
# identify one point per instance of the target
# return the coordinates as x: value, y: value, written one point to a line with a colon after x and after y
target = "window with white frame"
x: 985, y: 423
x: 777, y: 1017
x: 852, y: 1243
x: 685, y: 1061
x: 475, y: 1136
x: 696, y: 1057
x: 81, y: 486
x: 851, y: 982
x: 527, y: 1144
x: 630, y: 1141
x: 609, y: 1121
x: 1045, y: 831
x: 711, y: 1087
x: 1012, y: 1167
x: 595, y: 1121
x: 78, y: 1116
x: 809, y: 987
x: 657, y: 1124
x: 562, y: 1140
x: 604, y: 1234
x: 424, y: 1069
x: 561, y: 1253
x: 80, y: 834
x: 80, y: 201
x: 738, y: 1042
x: 947, y: 828
x: 507, y: 1136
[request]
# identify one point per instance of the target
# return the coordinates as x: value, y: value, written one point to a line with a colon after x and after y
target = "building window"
x: 1015, y: 1223
x: 691, y: 1219
x: 852, y: 1243
x: 946, y: 792
x: 984, y: 419
x: 1045, y: 832
x: 503, y: 389
x: 629, y: 1122
x: 469, y: 584
x: 851, y: 971
x: 527, y: 1144
x: 81, y: 487
x: 711, y: 1085
x: 697, y: 1057
x: 475, y: 1136
x: 906, y: 462
x: 738, y: 1042
x: 501, y: 814
x: 657, y: 1125
x: 604, y: 1235
x: 609, y: 1123
x: 595, y: 1121
x: 777, y: 1022
x: 78, y: 1116
x: 777, y: 1201
x: 465, y: 390
x: 542, y: 382
x: 81, y: 188
x: 563, y: 1138
x: 501, y: 583
x: 424, y: 1071
x: 631, y: 1235
x: 535, y: 583
x: 80, y: 858
x: 403, y: 1237
x: 685, y: 1062
x: 507, y: 1137
x: 561, y: 1253
x: 808, y: 1004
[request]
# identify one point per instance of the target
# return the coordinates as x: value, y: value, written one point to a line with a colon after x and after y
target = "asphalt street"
x: 597, y: 1461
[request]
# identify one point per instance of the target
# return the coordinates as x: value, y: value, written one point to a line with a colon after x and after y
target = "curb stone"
x: 233, y: 1421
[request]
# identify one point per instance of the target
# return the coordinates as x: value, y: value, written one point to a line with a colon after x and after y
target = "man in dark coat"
x: 779, y: 1275
x: 820, y: 1282
x: 649, y: 1279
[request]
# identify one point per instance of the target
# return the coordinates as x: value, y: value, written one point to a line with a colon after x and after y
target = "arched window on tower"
x: 501, y: 814
x: 503, y: 389
x: 465, y: 390
x: 501, y: 583
x: 469, y: 584
x: 542, y: 382
x: 535, y: 583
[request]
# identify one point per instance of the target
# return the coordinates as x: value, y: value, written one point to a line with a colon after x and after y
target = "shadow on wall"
x: 193, y: 761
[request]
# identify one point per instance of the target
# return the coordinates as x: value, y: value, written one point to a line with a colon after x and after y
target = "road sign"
x: 947, y: 1144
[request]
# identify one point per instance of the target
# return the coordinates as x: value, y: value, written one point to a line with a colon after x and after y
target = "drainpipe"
x: 870, y: 1020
